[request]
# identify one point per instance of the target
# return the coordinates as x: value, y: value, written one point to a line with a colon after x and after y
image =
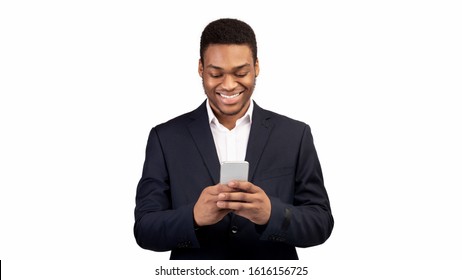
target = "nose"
x: 228, y: 84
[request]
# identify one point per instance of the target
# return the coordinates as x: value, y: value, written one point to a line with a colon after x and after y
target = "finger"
x: 232, y: 205
x: 243, y: 186
x: 235, y: 196
x: 219, y: 188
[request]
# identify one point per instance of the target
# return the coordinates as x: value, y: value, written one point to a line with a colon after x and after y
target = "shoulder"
x: 277, y: 120
x: 182, y: 121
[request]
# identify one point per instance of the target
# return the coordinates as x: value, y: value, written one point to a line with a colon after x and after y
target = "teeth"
x: 229, y: 96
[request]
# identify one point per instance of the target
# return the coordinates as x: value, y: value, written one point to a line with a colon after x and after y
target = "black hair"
x: 230, y: 32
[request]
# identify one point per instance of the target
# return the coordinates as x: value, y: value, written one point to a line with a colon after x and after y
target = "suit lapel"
x: 203, y: 138
x: 259, y: 133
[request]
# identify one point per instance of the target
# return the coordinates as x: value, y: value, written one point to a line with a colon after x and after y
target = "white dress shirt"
x: 231, y: 145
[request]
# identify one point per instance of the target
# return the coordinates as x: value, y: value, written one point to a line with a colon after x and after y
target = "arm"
x: 158, y: 227
x: 308, y: 221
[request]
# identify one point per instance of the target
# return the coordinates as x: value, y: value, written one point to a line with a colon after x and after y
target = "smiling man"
x: 181, y: 206
x: 228, y: 73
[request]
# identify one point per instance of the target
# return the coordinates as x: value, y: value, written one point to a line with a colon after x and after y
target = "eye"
x: 241, y: 75
x: 214, y: 75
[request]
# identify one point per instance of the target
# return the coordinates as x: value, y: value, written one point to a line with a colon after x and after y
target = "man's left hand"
x: 248, y: 201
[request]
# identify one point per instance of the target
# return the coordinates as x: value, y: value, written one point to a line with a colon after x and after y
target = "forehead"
x: 227, y: 55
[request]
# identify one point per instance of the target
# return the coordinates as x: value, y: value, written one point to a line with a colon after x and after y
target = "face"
x: 228, y: 76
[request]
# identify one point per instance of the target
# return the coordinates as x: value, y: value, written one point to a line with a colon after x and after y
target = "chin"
x: 230, y: 112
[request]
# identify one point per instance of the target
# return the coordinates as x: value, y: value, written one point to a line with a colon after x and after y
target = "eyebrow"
x: 234, y: 68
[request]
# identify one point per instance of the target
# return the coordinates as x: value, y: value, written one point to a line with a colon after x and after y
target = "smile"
x: 230, y: 96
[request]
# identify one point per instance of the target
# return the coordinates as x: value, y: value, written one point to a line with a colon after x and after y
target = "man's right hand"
x: 206, y: 211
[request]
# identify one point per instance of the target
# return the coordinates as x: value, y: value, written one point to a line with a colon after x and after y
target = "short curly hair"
x: 229, y: 32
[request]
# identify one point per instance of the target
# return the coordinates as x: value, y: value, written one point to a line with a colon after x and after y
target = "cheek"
x: 209, y: 85
x: 249, y: 83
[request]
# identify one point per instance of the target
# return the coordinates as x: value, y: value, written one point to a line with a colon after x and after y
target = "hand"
x: 246, y: 200
x: 205, y: 210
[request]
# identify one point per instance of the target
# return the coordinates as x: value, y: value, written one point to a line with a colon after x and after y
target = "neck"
x: 229, y: 120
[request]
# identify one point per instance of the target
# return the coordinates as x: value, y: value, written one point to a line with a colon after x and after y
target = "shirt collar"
x: 247, y: 117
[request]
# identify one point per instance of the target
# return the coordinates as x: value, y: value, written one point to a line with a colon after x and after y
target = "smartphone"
x: 234, y: 171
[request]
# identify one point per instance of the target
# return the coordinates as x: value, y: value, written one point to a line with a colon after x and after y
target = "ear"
x: 257, y: 68
x: 200, y: 68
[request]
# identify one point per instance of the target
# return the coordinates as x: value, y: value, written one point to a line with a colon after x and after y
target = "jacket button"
x: 234, y: 229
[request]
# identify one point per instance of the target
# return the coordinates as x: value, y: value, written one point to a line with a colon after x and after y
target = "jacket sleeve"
x: 158, y: 227
x: 308, y: 220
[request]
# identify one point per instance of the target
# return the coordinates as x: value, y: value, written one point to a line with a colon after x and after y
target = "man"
x: 180, y: 206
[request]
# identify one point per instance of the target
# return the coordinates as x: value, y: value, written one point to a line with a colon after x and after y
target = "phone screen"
x: 234, y: 171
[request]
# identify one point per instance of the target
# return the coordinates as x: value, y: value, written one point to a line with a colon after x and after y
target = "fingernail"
x: 221, y: 196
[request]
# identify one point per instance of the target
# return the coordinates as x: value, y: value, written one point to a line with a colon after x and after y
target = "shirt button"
x: 234, y: 229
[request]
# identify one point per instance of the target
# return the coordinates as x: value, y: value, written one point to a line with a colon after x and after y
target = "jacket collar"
x: 199, y: 127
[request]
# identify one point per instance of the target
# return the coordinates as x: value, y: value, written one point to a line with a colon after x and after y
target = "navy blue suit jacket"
x: 181, y: 160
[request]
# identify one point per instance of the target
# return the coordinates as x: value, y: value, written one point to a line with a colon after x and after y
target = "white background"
x: 83, y: 82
